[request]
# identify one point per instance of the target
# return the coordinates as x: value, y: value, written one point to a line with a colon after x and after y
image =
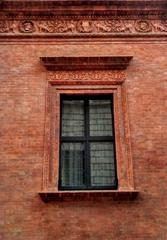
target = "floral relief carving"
x: 4, y: 27
x: 118, y: 75
x: 85, y: 26
x: 8, y: 26
x: 67, y: 26
x: 56, y: 26
x: 160, y: 26
x: 113, y: 26
x: 45, y: 26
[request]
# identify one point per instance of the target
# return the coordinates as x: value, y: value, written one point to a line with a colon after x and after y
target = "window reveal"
x: 87, y: 149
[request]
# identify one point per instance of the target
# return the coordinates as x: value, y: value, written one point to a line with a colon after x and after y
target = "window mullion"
x: 73, y: 139
x: 87, y: 144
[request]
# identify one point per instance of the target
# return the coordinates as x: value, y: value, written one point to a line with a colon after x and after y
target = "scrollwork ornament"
x: 46, y: 26
x: 7, y: 26
x: 85, y: 26
x: 164, y: 23
x: 3, y: 27
x: 160, y: 26
x: 118, y: 75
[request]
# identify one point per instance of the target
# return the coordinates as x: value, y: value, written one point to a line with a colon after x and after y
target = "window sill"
x: 47, y: 196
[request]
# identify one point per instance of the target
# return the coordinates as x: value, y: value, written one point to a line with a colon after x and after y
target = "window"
x: 87, y: 136
x: 87, y: 149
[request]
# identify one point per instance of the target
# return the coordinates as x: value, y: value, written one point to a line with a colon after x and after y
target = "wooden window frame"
x: 81, y: 76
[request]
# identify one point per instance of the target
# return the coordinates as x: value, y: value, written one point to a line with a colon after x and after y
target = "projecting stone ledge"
x: 86, y: 63
x: 117, y: 195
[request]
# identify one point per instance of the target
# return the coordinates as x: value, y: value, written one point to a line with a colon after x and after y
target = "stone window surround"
x: 86, y: 75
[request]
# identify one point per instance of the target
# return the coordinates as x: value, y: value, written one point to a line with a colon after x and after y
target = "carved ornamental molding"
x: 82, y: 27
x: 86, y: 77
x: 106, y: 70
x: 79, y: 18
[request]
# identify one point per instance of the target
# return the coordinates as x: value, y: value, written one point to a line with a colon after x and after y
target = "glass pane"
x: 72, y: 118
x: 102, y: 164
x: 72, y: 164
x: 100, y: 118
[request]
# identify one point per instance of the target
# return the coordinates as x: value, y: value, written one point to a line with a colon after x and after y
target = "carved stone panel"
x: 83, y: 26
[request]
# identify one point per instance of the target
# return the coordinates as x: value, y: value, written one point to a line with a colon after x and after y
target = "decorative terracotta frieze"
x: 85, y: 76
x: 82, y: 27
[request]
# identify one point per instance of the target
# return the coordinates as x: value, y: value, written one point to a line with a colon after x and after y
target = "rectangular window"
x: 87, y: 148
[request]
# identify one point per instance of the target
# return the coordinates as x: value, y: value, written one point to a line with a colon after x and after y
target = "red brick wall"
x: 23, y: 215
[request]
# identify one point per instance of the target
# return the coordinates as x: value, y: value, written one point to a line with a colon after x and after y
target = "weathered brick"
x: 23, y: 215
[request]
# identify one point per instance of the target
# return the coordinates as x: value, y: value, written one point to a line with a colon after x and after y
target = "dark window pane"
x: 102, y: 164
x: 87, y: 147
x: 100, y: 118
x: 72, y: 118
x: 72, y: 164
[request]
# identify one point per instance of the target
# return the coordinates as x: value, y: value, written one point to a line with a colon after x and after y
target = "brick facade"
x: 23, y: 87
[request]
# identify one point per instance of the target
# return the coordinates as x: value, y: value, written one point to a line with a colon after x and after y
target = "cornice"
x: 83, y: 18
x: 86, y: 63
x: 94, y: 8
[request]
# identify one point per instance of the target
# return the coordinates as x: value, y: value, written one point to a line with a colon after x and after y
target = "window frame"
x: 84, y: 76
x: 86, y: 139
x: 52, y: 133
